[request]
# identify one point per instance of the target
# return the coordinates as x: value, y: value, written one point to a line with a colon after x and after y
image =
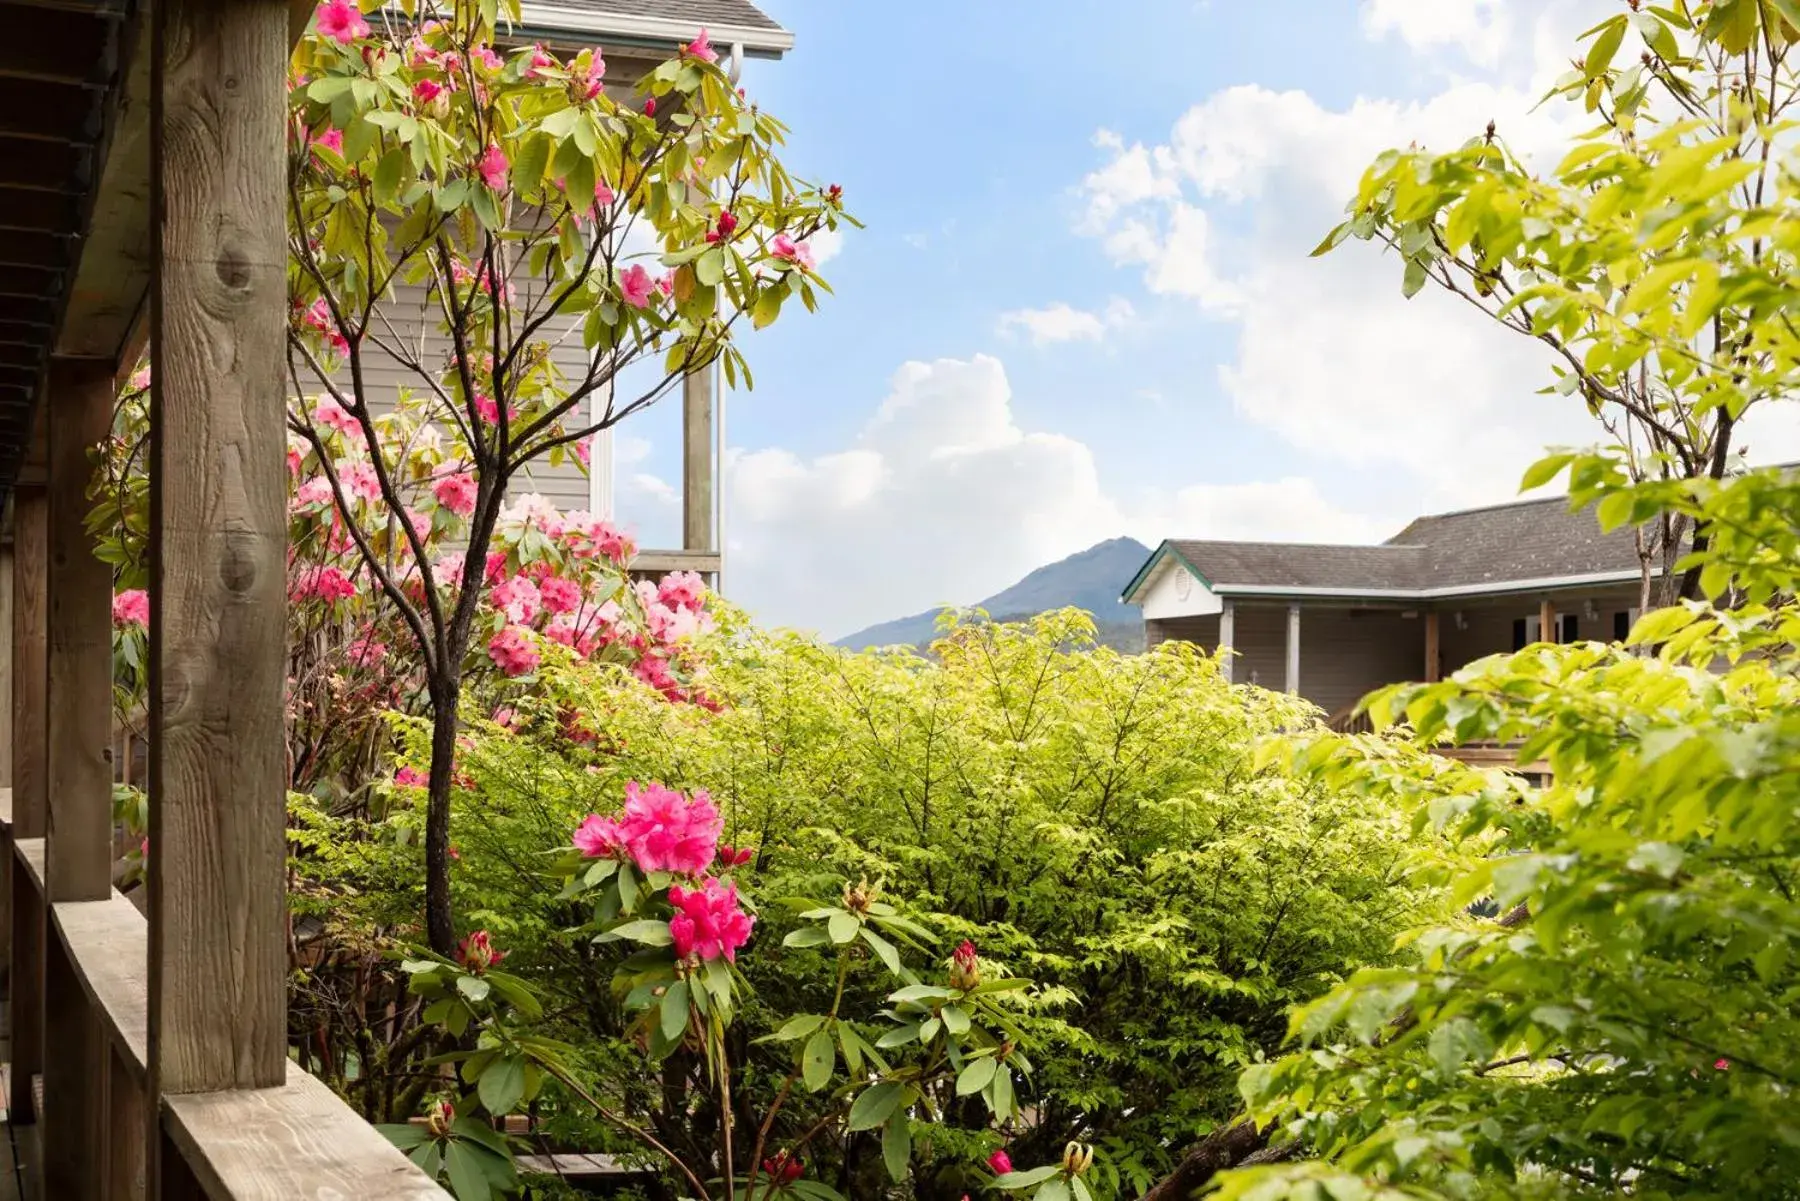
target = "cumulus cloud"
x: 1480, y: 29
x: 1061, y: 322
x: 944, y: 498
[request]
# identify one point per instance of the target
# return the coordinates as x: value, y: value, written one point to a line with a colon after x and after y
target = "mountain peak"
x: 1090, y: 579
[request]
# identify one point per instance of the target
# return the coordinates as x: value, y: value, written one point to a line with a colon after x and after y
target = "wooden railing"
x: 296, y: 1140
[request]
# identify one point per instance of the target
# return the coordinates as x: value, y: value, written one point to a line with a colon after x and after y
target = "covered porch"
x: 144, y: 194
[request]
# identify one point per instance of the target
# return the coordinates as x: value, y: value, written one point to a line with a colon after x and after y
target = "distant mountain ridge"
x: 1091, y: 579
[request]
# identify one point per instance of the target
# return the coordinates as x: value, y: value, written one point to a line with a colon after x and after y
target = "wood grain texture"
x: 108, y: 943
x: 125, y: 1116
x: 697, y: 466
x: 31, y: 511
x: 6, y: 658
x: 25, y: 1012
x: 79, y: 692
x: 1434, y: 654
x: 218, y: 543
x: 293, y: 1143
x: 73, y: 1122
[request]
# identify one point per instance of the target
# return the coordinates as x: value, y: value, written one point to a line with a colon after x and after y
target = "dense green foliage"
x: 1094, y: 822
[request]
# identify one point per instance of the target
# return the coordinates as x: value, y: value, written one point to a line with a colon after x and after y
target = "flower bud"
x: 439, y: 1117
x: 965, y: 967
x: 859, y: 896
x: 477, y: 954
x: 1077, y: 1159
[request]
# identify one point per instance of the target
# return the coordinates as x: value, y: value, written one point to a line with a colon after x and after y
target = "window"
x: 1623, y: 620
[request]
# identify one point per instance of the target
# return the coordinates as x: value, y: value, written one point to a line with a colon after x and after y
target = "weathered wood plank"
x: 218, y: 535
x: 25, y: 1012
x: 125, y: 1116
x: 298, y: 1140
x: 79, y: 692
x: 73, y: 1122
x: 30, y: 852
x: 697, y: 467
x: 657, y: 562
x: 31, y: 555
x: 108, y: 942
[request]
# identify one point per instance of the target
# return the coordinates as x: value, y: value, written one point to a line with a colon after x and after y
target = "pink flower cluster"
x: 318, y: 319
x: 131, y: 608
x: 325, y: 583
x: 341, y: 21
x: 708, y: 922
x: 456, y: 492
x: 796, y: 254
x: 513, y: 651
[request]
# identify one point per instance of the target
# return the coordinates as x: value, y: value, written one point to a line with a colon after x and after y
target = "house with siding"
x: 634, y: 36
x: 1330, y: 623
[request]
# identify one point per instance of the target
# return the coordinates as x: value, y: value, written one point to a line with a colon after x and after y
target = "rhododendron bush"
x: 827, y: 841
x: 533, y: 203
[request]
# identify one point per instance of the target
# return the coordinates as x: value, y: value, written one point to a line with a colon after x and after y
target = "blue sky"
x: 942, y: 425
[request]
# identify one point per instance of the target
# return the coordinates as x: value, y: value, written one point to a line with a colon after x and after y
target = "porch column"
x: 698, y: 473
x: 1547, y: 621
x: 1433, y: 655
x: 1227, y: 634
x: 30, y: 674
x: 218, y: 533
x: 78, y: 851
x: 1293, y: 650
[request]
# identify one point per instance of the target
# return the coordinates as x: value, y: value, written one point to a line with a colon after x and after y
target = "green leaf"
x: 467, y: 1180
x: 956, y: 1019
x: 709, y: 268
x: 1414, y: 278
x: 502, y: 1085
x: 797, y: 1028
x: 675, y: 1010
x: 898, y: 1036
x: 388, y: 173
x: 1054, y: 1189
x: 884, y: 950
x: 1606, y: 44
x: 875, y: 1104
x: 404, y: 1135
x: 473, y: 987
x: 1000, y: 1096
x: 650, y: 931
x: 1544, y: 470
x: 975, y: 1076
x: 1027, y: 1178
x: 843, y: 927
x: 806, y: 936
x: 896, y: 1147
x: 816, y: 1060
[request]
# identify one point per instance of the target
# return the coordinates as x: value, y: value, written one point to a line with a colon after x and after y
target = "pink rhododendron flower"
x: 494, y: 569
x: 596, y: 76
x: 330, y: 412
x: 409, y: 777
x: 534, y: 510
x: 456, y: 493
x: 318, y: 319
x: 682, y: 590
x: 584, y: 452
x: 542, y: 60
x: 517, y: 598
x: 701, y: 48
x: 965, y: 966
x: 513, y: 651
x: 1000, y: 1162
x: 665, y: 283
x: 131, y: 608
x: 296, y: 456
x: 486, y: 57
x: 564, y: 630
x: 789, y: 251
x: 360, y: 481
x: 654, y: 671
x: 477, y: 953
x: 315, y: 491
x: 650, y: 107
x: 603, y: 194
x: 635, y: 285
x: 493, y: 168
x: 506, y: 717
x: 427, y: 90
x: 736, y: 856
x: 560, y: 595
x: 140, y: 379
x: 331, y: 139
x: 667, y: 832
x: 328, y: 583
x: 341, y: 21
x: 365, y: 650
x: 1722, y: 1065
x: 598, y: 837
x: 708, y: 922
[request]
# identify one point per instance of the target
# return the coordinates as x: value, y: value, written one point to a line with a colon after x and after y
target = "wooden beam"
x: 31, y: 555
x: 1546, y: 621
x: 79, y: 839
x: 80, y: 775
x: 1227, y: 637
x: 1293, y: 650
x: 6, y: 668
x: 218, y: 548
x: 1434, y: 657
x: 697, y: 468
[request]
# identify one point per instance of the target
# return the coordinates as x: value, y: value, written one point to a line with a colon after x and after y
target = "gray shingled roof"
x: 700, y: 12
x: 1474, y: 548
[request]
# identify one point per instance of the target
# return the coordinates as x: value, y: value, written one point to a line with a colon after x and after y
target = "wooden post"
x: 1227, y: 635
x: 124, y: 1154
x: 1547, y: 621
x: 697, y: 472
x: 1434, y: 665
x: 31, y: 557
x: 217, y: 1004
x: 1293, y: 650
x: 6, y: 669
x: 78, y: 848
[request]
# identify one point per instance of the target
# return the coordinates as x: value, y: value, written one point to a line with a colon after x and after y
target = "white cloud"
x: 826, y: 244
x: 944, y: 498
x: 1061, y: 323
x: 1328, y: 354
x: 1480, y: 29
